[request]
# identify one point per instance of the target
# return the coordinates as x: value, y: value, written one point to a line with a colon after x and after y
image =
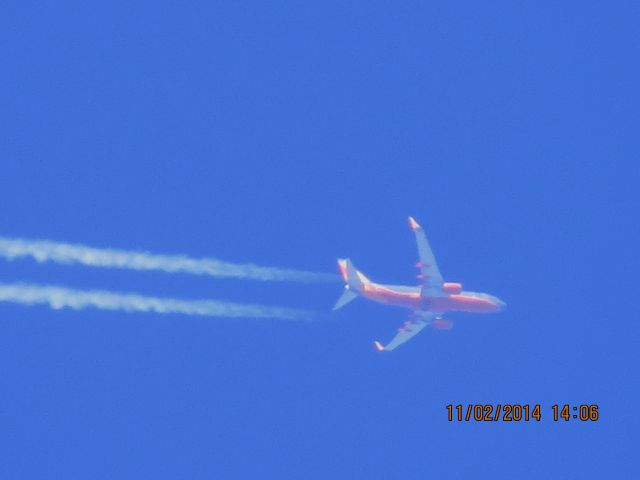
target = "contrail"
x: 67, y: 253
x: 60, y: 297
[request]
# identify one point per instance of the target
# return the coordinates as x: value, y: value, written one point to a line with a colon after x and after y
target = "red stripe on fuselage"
x: 388, y: 296
x: 413, y: 301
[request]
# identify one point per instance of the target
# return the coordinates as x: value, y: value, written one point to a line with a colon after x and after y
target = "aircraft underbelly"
x: 461, y: 303
x: 413, y: 300
x: 397, y: 299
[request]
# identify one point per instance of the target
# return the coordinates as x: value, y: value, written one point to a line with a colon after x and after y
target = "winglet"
x: 413, y: 224
x: 379, y: 346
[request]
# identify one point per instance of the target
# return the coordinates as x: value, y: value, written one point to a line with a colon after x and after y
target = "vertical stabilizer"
x: 353, y: 279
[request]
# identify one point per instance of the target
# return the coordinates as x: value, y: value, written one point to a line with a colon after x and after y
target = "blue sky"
x: 290, y: 134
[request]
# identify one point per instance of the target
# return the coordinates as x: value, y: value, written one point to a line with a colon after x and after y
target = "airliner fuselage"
x: 410, y: 298
x: 427, y: 301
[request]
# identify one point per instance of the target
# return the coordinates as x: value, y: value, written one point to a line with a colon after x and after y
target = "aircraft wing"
x: 410, y: 328
x: 429, y: 273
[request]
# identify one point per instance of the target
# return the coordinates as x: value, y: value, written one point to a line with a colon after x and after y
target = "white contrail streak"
x: 60, y: 297
x: 66, y: 253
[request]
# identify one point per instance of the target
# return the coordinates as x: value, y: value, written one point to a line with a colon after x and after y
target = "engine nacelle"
x: 452, y: 288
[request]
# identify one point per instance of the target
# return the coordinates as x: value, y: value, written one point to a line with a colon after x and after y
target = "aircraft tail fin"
x: 354, y: 282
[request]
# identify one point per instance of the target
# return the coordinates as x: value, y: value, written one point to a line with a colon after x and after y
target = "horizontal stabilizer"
x: 347, y: 296
x: 355, y: 281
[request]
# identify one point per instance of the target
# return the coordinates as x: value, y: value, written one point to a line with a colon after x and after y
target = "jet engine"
x: 452, y: 288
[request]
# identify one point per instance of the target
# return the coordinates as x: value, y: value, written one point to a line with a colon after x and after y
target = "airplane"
x: 428, y: 301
